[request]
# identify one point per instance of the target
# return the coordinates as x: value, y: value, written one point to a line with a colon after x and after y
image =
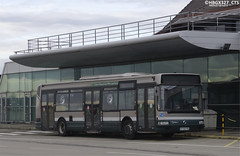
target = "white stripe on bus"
x: 180, y: 118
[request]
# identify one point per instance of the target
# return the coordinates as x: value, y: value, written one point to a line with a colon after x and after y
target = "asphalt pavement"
x: 207, y: 133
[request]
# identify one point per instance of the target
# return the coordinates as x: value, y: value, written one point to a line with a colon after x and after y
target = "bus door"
x: 47, y: 111
x: 146, y: 109
x: 92, y: 109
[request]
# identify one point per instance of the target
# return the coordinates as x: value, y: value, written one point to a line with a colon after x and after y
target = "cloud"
x: 2, y: 62
x: 21, y: 20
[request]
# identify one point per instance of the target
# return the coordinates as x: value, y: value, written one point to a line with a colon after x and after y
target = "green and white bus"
x: 129, y: 103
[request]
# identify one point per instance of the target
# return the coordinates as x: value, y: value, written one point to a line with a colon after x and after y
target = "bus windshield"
x: 180, y: 98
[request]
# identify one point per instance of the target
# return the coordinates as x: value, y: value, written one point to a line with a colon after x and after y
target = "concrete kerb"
x: 30, y: 126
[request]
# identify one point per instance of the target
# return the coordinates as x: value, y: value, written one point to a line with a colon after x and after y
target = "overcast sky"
x: 21, y: 20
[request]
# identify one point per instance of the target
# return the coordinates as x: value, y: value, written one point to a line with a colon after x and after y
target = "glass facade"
x: 219, y: 74
x: 18, y: 92
x: 223, y: 68
x: 197, y: 65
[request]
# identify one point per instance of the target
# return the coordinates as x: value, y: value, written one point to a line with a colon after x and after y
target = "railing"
x: 185, y: 21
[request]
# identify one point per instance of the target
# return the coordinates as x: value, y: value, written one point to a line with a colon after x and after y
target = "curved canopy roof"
x: 163, y: 46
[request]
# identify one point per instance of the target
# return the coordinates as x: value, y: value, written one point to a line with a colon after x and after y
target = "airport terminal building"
x: 190, y: 42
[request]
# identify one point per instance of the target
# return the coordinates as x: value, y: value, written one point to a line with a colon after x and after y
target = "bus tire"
x: 128, y: 130
x: 62, y: 127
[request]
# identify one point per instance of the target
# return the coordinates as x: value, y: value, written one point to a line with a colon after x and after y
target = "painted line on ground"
x: 231, y: 143
x: 121, y: 153
x: 175, y: 144
x: 23, y: 133
x: 11, y: 134
x: 41, y: 132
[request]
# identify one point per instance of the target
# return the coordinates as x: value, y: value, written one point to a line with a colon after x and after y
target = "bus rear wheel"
x: 62, y: 128
x: 128, y: 130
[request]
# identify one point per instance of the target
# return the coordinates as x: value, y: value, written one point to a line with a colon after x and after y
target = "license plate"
x: 184, y: 128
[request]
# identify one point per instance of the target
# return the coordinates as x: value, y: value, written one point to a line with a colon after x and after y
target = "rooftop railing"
x: 184, y: 21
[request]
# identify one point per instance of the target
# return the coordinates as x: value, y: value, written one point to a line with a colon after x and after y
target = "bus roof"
x: 113, y: 79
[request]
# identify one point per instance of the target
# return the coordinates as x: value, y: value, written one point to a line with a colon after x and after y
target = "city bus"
x: 128, y: 103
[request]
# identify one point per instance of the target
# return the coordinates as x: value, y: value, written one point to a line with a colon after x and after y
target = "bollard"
x: 222, y: 124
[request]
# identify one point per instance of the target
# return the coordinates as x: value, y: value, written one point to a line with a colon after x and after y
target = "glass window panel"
x: 88, y: 97
x: 103, y: 70
x: 223, y: 93
x: 77, y: 73
x: 110, y: 99
x: 53, y: 76
x: 22, y: 82
x: 15, y: 113
x: 33, y: 106
x: 25, y: 82
x: 198, y: 66
x: 21, y: 99
x: 143, y: 67
x: 62, y: 102
x: 67, y: 74
x: 39, y: 78
x: 167, y: 66
x: 122, y: 69
x: 13, y: 99
x: 223, y: 68
x: 86, y: 72
x: 44, y: 100
x: 127, y: 99
x: 3, y: 84
x: 34, y: 94
x: 96, y: 96
x: 76, y: 101
x: 150, y: 96
x: 13, y: 82
x: 28, y: 81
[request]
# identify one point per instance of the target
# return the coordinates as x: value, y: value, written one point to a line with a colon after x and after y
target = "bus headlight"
x: 163, y: 123
x: 201, y: 122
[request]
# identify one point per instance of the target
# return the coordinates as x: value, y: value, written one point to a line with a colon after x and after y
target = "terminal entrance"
x: 3, y: 103
x: 27, y: 107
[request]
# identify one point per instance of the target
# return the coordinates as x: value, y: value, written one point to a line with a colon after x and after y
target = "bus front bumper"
x: 179, y: 126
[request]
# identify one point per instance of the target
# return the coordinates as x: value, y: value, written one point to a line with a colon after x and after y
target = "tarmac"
x: 233, y: 134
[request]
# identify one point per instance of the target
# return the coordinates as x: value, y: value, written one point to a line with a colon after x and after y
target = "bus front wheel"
x: 62, y: 128
x: 128, y: 130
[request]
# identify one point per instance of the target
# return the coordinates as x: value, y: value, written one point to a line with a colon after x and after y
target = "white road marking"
x: 174, y: 144
x: 23, y: 133
x: 47, y: 132
x: 133, y: 154
x: 11, y: 134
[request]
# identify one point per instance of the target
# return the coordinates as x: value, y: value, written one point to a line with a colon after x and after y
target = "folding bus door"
x: 146, y: 109
x: 47, y: 111
x: 92, y: 109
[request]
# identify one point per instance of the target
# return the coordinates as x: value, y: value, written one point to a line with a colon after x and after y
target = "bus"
x: 128, y: 103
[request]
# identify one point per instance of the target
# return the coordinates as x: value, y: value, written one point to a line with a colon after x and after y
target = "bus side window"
x: 110, y: 100
x: 127, y: 99
x: 62, y: 102
x: 76, y: 101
